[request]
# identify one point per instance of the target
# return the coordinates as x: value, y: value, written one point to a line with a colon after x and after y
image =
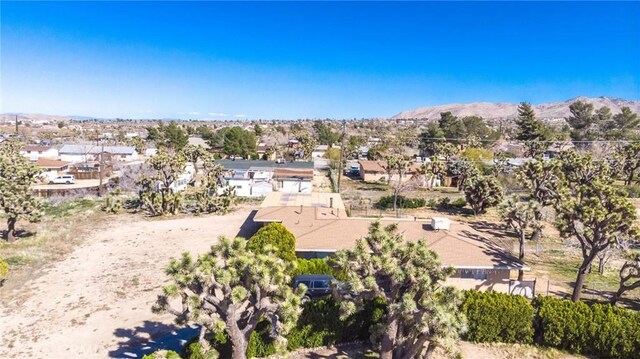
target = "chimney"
x: 330, y: 202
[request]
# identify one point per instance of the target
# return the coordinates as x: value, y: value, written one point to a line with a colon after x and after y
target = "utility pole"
x: 17, y: 125
x: 101, y: 168
x: 344, y: 125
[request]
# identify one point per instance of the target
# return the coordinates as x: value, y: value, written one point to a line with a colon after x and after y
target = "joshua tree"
x: 231, y: 289
x: 400, y: 166
x: 591, y: 210
x: 158, y: 195
x: 431, y: 170
x: 520, y: 217
x: 422, y: 314
x: 483, y: 192
x: 207, y: 197
x: 17, y: 200
x: 629, y: 277
x: 192, y: 154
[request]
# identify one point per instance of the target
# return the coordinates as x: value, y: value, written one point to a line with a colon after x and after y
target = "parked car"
x: 66, y: 179
x: 318, y: 285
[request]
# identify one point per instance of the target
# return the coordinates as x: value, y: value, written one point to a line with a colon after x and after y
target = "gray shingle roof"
x: 93, y: 149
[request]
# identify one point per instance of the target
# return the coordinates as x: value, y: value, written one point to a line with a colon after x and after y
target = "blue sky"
x: 309, y: 60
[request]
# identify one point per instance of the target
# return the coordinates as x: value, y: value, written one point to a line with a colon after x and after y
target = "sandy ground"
x: 96, y: 303
x: 467, y: 350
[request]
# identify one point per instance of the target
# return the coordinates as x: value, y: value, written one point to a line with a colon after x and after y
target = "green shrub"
x: 402, y: 202
x: 444, y: 202
x: 316, y: 266
x: 162, y: 354
x: 600, y: 330
x: 432, y: 203
x: 4, y: 270
x: 320, y: 325
x: 276, y: 235
x: 459, y: 203
x: 498, y: 317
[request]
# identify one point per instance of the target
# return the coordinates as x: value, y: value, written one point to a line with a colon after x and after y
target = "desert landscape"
x: 97, y: 301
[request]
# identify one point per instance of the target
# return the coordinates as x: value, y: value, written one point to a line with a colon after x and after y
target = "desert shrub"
x: 601, y: 330
x: 459, y: 203
x: 402, y: 202
x: 4, y: 270
x: 432, y: 203
x: 278, y: 236
x: 320, y: 325
x: 498, y: 317
x: 316, y: 266
x: 444, y: 202
x: 112, y: 204
x: 162, y: 354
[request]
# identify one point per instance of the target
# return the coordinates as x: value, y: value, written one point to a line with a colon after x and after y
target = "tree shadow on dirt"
x: 150, y: 337
x: 20, y: 233
x: 493, y: 229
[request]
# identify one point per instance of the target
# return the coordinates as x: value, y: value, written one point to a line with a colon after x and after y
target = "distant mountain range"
x: 490, y: 110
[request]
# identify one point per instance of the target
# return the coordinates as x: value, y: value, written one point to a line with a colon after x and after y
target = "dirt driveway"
x: 97, y: 302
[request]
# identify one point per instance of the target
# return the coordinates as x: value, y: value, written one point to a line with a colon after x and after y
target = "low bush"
x: 432, y: 203
x: 316, y: 266
x: 402, y: 202
x: 4, y: 270
x: 459, y: 203
x: 498, y: 317
x: 601, y: 330
x: 320, y: 325
x: 278, y: 236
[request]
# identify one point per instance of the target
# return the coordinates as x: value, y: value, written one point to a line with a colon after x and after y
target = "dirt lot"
x: 96, y: 302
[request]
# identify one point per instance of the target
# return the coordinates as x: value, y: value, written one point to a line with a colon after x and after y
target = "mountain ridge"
x: 506, y: 110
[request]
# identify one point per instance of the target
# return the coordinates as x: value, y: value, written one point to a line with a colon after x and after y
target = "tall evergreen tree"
x: 531, y: 130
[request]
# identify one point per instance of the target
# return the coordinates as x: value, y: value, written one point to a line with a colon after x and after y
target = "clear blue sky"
x: 309, y: 60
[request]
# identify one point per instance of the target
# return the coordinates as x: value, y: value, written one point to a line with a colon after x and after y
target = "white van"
x: 66, y: 179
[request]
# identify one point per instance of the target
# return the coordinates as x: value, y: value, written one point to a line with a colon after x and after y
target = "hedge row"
x: 402, y: 202
x: 600, y: 330
x: 498, y: 317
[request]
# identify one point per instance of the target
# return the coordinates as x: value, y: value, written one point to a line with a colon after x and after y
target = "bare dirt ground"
x: 468, y: 351
x: 96, y: 302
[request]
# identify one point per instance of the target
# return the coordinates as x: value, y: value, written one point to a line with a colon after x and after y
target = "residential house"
x: 321, y: 228
x: 293, y: 180
x: 87, y: 153
x: 255, y: 178
x: 376, y: 171
x: 34, y: 152
x: 265, y: 152
x: 51, y: 168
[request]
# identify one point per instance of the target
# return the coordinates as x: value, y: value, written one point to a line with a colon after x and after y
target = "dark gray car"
x: 318, y: 285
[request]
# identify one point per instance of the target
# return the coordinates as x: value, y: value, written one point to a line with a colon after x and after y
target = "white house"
x: 85, y: 153
x: 35, y: 152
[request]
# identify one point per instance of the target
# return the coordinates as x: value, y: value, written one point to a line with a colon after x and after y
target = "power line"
x: 530, y: 141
